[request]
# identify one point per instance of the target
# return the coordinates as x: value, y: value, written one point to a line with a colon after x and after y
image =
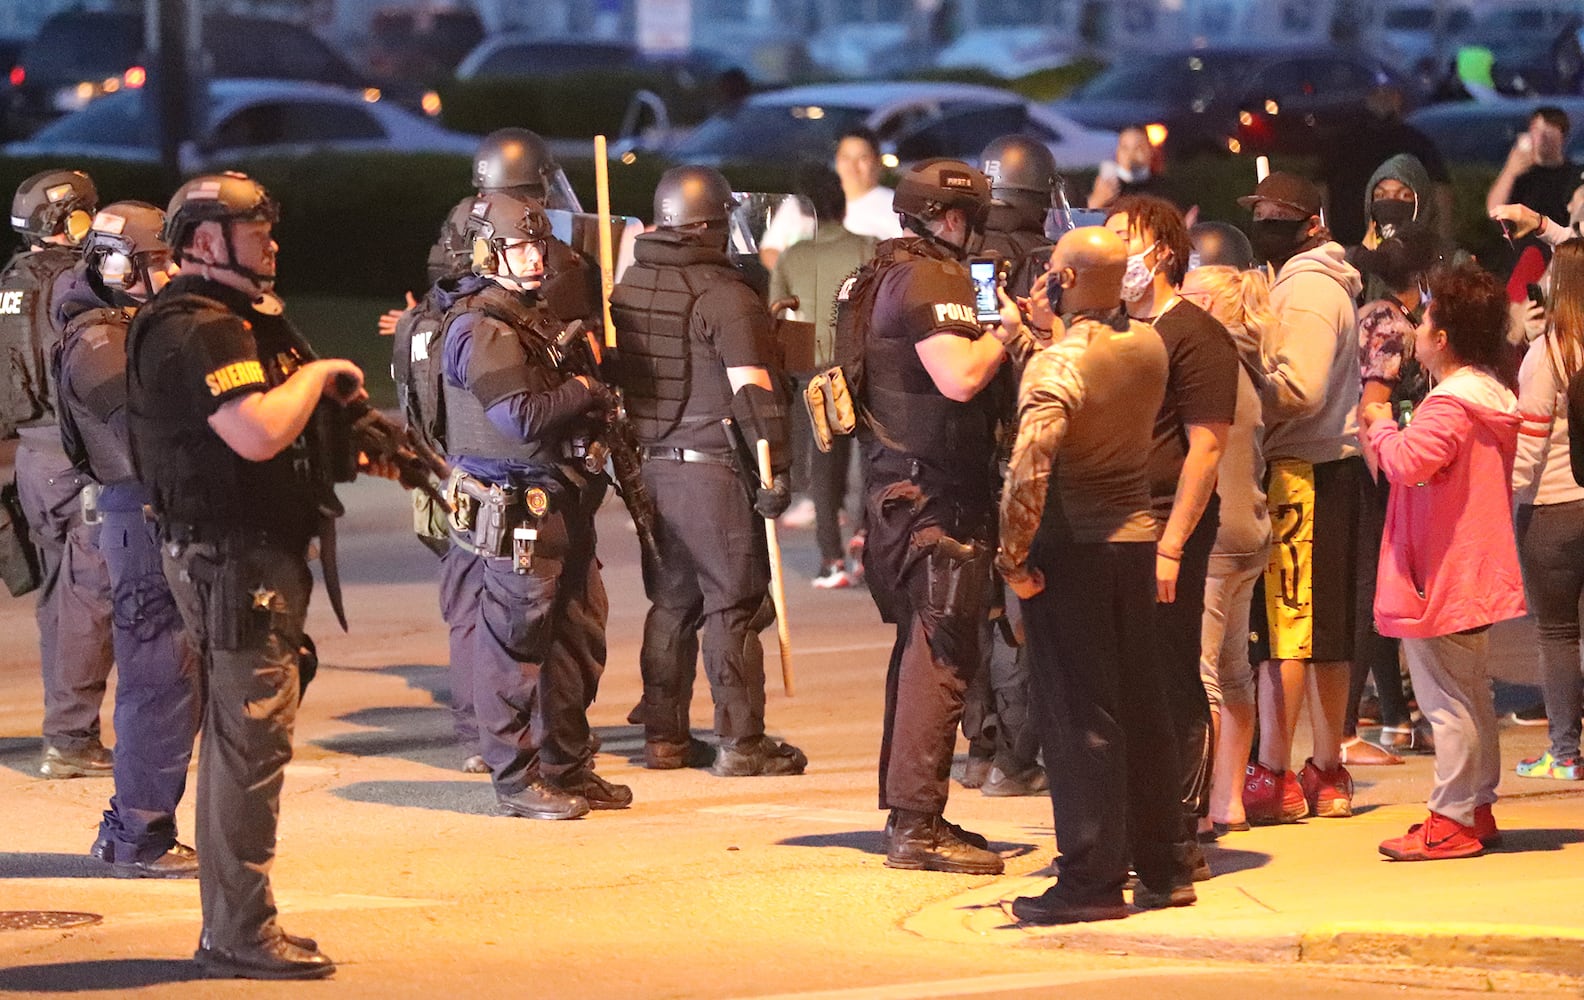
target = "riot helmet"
x: 225, y: 198
x: 1220, y: 243
x: 54, y: 203
x: 689, y: 195
x: 500, y: 219
x: 933, y: 187
x: 516, y: 159
x: 1022, y: 175
x: 126, y: 248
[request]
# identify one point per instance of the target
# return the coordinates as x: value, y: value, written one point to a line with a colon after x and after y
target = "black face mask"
x: 1391, y: 213
x: 1276, y: 240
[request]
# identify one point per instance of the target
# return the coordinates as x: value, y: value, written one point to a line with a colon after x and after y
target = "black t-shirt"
x: 1201, y: 388
x: 1547, y: 189
x: 187, y: 359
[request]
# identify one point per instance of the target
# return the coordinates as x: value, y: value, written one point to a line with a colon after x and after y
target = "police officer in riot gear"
x: 1003, y: 747
x: 928, y: 438
x: 52, y: 211
x: 518, y: 429
x: 124, y: 262
x: 513, y: 160
x: 1023, y: 188
x: 696, y: 346
x: 223, y: 399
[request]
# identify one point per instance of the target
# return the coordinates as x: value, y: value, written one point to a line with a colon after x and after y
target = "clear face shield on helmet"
x: 765, y: 220
x: 1062, y: 218
x: 559, y: 193
x: 580, y: 231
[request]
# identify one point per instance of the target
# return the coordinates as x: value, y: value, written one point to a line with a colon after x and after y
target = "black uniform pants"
x: 73, y: 599
x: 928, y: 565
x: 1373, y: 653
x: 157, y: 709
x: 1178, y: 626
x: 243, y: 601
x: 460, y: 583
x: 1100, y: 708
x: 539, y: 649
x: 712, y: 575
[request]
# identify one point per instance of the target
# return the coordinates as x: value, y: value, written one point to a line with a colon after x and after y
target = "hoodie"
x: 1312, y: 381
x: 1543, y: 471
x: 1406, y: 169
x: 1449, y: 559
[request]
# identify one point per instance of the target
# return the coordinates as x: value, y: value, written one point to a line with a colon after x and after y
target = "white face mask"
x: 1136, y: 280
x: 1132, y: 175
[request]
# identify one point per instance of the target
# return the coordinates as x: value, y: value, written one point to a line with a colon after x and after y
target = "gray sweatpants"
x: 1453, y: 687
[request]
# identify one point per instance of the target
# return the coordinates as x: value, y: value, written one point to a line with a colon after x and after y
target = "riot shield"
x: 580, y: 231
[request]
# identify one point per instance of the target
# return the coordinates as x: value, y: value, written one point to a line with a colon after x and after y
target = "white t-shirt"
x: 868, y: 215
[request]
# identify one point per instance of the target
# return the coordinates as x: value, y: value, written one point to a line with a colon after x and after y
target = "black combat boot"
x: 599, y: 793
x: 966, y: 836
x: 757, y: 755
x: 923, y: 841
x: 279, y: 956
x: 671, y: 755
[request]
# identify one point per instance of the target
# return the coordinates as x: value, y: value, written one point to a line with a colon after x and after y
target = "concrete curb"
x: 983, y: 915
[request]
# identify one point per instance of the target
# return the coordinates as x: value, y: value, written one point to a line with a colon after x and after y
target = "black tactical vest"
x: 905, y: 413
x: 467, y: 429
x: 91, y: 444
x: 667, y: 374
x: 27, y: 337
x: 417, y: 362
x: 192, y: 475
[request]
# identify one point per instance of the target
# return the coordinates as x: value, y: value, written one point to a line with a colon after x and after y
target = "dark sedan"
x: 1230, y: 99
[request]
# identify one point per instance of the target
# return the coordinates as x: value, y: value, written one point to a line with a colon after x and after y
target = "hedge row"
x: 363, y: 224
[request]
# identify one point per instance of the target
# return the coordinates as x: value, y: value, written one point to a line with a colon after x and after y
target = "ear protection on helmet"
x: 77, y: 225
x: 483, y: 261
x: 116, y: 270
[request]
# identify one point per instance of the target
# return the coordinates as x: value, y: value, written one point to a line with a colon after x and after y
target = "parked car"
x: 1535, y: 44
x: 1483, y: 132
x: 780, y: 127
x: 245, y: 118
x: 79, y: 56
x: 517, y: 55
x: 1406, y: 34
x: 1238, y: 99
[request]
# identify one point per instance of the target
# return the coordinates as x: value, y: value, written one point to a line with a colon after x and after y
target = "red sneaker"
x: 1485, y: 828
x: 1328, y: 793
x: 1272, y: 796
x: 1436, y: 839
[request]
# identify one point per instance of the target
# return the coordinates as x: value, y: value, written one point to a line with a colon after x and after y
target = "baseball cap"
x: 1286, y: 189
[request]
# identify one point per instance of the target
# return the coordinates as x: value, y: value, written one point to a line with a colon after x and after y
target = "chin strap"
x: 263, y: 282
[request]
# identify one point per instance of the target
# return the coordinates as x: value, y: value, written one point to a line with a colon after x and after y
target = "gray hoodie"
x: 1312, y: 390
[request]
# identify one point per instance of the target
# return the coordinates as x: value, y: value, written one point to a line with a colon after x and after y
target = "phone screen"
x: 986, y: 303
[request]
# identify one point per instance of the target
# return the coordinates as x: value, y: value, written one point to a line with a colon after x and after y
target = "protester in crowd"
x: 869, y: 212
x: 813, y: 271
x: 1315, y: 488
x: 1131, y: 171
x: 1390, y: 373
x: 1449, y: 562
x: 1185, y: 456
x: 1399, y: 192
x: 1240, y: 301
x: 1537, y: 173
x: 1374, y: 133
x: 1551, y: 512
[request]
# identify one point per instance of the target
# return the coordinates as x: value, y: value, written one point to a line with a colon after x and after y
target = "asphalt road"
x: 398, y: 864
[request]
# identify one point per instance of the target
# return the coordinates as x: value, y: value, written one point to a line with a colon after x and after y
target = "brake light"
x: 18, y: 75
x: 135, y: 77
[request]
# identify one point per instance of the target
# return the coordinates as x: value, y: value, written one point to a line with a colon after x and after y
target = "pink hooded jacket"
x: 1449, y: 560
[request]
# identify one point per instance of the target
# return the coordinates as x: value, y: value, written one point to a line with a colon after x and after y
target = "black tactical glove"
x: 772, y: 503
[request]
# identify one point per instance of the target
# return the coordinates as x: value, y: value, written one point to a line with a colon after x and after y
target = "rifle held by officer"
x: 382, y: 439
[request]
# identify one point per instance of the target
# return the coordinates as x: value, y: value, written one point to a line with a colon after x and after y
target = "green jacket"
x: 814, y: 270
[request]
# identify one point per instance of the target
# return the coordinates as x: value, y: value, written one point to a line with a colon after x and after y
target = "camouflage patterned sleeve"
x: 1052, y: 391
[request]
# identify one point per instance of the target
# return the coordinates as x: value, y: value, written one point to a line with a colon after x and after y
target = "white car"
x: 913, y: 120
x: 246, y: 118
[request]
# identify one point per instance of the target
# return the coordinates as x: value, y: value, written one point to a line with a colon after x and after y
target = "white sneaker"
x: 799, y: 515
x: 833, y: 577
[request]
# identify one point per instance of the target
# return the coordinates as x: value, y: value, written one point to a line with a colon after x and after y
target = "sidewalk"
x: 1318, y: 891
